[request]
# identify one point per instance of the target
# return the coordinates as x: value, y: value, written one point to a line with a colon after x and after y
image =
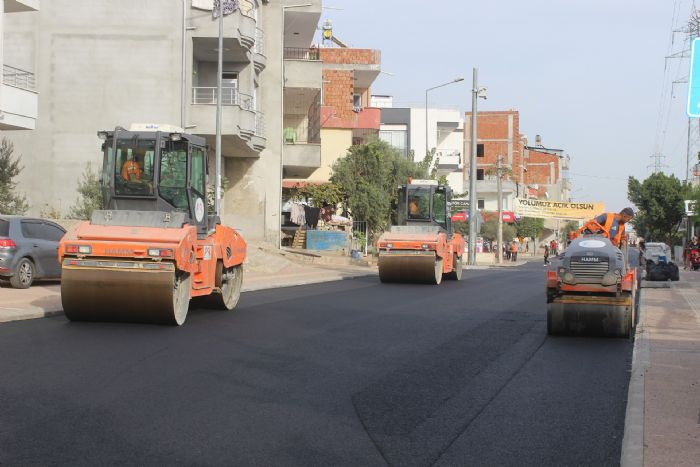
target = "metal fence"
x: 259, y: 41
x: 301, y: 53
x: 229, y: 96
x: 18, y: 78
x: 360, y: 236
x: 259, y: 124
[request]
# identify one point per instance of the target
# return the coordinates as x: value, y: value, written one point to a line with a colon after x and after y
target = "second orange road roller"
x: 592, y: 288
x: 421, y: 245
x: 155, y: 246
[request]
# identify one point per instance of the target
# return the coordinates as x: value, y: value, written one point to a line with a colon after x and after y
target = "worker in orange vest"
x: 612, y: 223
x: 131, y: 170
x: 514, y: 251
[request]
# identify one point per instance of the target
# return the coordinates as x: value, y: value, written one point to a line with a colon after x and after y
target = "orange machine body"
x: 119, y: 247
x: 428, y: 243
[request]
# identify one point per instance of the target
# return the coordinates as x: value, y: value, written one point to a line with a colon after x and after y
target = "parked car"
x: 29, y: 250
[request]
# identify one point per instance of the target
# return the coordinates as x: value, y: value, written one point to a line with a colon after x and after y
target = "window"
x: 52, y: 232
x: 479, y: 150
x: 172, y: 184
x: 357, y: 102
x: 229, y: 87
x: 31, y: 229
x: 198, y: 171
x: 480, y: 204
x: 419, y: 204
x: 397, y: 139
x: 439, y: 206
x: 4, y: 228
x: 479, y: 174
x: 133, y: 168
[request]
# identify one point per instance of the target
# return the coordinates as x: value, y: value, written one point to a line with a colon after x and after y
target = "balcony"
x: 242, y: 126
x: 301, y: 160
x: 302, y: 68
x: 259, y: 57
x: 19, y: 105
x: 17, y: 6
x: 239, y: 26
x: 449, y: 159
x: 490, y: 185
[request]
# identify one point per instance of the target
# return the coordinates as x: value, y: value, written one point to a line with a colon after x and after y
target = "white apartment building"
x: 18, y: 95
x: 104, y: 63
x: 405, y: 129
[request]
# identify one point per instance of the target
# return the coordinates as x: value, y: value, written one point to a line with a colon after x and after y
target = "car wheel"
x: 24, y: 274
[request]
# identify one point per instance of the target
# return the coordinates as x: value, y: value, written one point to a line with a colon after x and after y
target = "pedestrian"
x: 546, y: 254
x: 514, y: 251
x: 506, y: 251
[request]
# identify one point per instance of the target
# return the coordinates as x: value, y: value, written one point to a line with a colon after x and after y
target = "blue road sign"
x: 694, y: 80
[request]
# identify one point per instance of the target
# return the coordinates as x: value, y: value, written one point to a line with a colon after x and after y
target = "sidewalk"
x: 662, y: 425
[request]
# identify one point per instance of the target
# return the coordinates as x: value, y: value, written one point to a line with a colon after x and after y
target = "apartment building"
x: 346, y: 117
x: 103, y: 63
x: 498, y: 134
x: 406, y: 130
x: 18, y: 95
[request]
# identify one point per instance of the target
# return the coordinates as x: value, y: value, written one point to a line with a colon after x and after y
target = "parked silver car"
x: 29, y: 250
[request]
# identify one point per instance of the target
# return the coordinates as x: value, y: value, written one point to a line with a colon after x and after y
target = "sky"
x: 589, y: 76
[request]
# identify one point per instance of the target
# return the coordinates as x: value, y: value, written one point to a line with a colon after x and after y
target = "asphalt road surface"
x: 345, y: 373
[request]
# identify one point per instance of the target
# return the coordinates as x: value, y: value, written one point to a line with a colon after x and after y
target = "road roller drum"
x: 410, y: 267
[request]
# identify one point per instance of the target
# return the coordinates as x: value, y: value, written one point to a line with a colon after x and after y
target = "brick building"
x: 498, y: 134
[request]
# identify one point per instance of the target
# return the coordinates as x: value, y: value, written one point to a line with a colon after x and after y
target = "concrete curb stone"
x: 632, y: 453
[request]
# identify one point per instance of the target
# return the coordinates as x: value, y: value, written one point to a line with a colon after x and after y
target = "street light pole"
x: 499, y: 185
x: 476, y: 93
x: 217, y: 198
x: 456, y: 80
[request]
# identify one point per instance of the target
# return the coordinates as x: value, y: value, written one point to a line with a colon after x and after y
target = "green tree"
x: 529, y: 227
x: 489, y: 231
x: 90, y: 195
x: 659, y: 199
x: 368, y: 177
x: 10, y: 202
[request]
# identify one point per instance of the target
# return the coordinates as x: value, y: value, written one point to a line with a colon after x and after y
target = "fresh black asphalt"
x: 345, y: 373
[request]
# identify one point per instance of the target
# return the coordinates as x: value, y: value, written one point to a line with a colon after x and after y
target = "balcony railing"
x: 301, y: 53
x: 18, y: 78
x: 259, y: 124
x: 229, y: 96
x: 259, y: 41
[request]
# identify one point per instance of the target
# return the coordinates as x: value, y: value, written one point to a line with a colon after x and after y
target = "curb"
x: 35, y: 312
x: 632, y: 454
x: 32, y: 312
x: 295, y: 283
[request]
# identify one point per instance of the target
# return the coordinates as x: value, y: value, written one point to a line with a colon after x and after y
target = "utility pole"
x: 499, y: 189
x: 476, y: 93
x: 219, y: 85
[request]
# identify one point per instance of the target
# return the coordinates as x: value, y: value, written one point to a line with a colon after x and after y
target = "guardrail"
x: 259, y: 41
x: 18, y: 78
x: 301, y: 53
x: 229, y: 96
x: 259, y: 124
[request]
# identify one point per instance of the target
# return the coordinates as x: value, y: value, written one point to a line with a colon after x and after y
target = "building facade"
x: 406, y: 130
x: 18, y: 95
x: 102, y: 64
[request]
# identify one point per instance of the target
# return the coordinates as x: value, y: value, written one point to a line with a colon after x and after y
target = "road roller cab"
x: 155, y: 246
x: 591, y: 289
x: 421, y: 245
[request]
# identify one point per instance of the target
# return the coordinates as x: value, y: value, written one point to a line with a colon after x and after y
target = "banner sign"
x: 547, y: 209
